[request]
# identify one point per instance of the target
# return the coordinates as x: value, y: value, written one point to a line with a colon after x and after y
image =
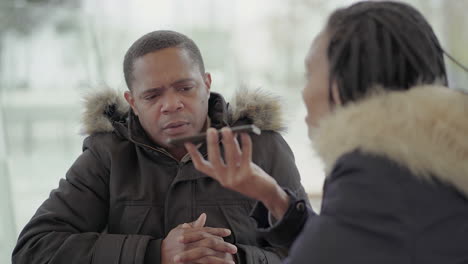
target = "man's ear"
x: 336, y: 94
x: 207, y: 81
x: 131, y: 101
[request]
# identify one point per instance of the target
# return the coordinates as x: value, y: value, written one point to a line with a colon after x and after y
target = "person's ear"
x: 336, y: 94
x: 131, y: 101
x: 207, y: 81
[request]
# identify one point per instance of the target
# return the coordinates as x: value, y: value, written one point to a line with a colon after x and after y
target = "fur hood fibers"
x: 424, y: 129
x: 106, y: 105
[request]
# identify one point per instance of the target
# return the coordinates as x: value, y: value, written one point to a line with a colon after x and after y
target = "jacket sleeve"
x: 68, y: 226
x: 273, y: 154
x: 285, y: 231
x: 362, y: 216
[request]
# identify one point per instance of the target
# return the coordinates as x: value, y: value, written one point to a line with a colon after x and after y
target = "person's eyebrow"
x: 185, y: 80
x: 160, y: 89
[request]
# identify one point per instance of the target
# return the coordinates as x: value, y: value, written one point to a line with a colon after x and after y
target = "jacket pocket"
x: 142, y: 219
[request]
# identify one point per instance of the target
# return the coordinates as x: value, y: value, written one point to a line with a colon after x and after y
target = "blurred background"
x: 54, y: 51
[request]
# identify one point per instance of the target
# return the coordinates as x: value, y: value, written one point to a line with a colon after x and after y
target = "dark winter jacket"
x: 124, y: 194
x: 396, y: 189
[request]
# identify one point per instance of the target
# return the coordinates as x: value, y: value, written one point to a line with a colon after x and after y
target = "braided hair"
x: 383, y: 43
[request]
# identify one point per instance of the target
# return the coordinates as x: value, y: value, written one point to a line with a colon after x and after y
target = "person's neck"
x: 178, y: 152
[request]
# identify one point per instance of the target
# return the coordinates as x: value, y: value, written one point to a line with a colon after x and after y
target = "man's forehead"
x: 166, y: 55
x: 160, y: 62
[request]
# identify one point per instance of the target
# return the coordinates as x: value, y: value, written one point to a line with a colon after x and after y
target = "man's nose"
x: 171, y: 103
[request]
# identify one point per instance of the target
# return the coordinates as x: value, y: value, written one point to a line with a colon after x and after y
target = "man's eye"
x: 150, y: 97
x: 185, y: 88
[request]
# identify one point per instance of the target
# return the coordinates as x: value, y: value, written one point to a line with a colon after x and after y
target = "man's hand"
x: 195, y: 243
x: 237, y: 171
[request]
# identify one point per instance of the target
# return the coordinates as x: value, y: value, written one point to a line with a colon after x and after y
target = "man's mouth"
x: 176, y: 127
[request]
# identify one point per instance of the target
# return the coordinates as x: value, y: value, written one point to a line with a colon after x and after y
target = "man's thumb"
x: 200, y: 222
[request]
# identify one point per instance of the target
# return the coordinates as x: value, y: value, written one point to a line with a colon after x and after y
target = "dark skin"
x: 238, y: 172
x: 170, y: 96
x: 195, y: 243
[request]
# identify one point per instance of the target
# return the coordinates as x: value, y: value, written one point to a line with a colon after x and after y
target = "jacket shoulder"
x: 376, y: 183
x: 363, y: 164
x: 104, y: 145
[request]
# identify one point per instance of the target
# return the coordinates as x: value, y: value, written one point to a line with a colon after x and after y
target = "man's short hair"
x: 158, y: 40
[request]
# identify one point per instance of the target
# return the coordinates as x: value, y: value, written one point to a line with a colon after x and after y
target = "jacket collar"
x: 424, y: 129
x: 106, y: 110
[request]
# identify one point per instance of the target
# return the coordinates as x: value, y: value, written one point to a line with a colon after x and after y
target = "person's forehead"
x: 163, y: 68
x: 170, y: 55
x: 171, y: 62
x: 317, y: 48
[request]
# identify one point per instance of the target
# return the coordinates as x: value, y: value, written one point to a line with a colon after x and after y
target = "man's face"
x: 169, y: 94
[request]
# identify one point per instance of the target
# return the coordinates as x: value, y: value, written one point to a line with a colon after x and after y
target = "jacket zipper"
x: 179, y: 165
x: 155, y: 149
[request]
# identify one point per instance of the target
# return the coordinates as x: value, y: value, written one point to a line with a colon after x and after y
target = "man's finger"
x: 214, y: 244
x: 214, y: 155
x: 186, y: 225
x: 236, y: 136
x: 246, y: 149
x: 217, y: 231
x: 193, y: 254
x: 200, y: 222
x: 197, y: 254
x: 198, y: 161
x: 197, y: 236
x: 230, y: 151
x: 214, y: 260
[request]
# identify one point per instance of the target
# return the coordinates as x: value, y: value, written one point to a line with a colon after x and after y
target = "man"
x: 130, y: 196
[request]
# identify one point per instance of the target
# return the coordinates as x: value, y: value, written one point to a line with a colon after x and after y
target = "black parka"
x: 124, y: 194
x: 396, y: 189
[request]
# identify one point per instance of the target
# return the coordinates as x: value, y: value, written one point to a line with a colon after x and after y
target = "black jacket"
x: 396, y: 189
x: 124, y: 194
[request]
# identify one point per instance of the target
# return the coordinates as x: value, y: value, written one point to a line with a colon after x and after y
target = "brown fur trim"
x: 96, y: 104
x: 260, y: 106
x: 424, y: 129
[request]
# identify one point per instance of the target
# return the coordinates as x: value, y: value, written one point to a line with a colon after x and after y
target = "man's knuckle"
x: 183, y: 237
x: 213, y: 242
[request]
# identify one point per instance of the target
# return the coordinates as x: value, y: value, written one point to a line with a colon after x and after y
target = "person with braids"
x: 392, y: 136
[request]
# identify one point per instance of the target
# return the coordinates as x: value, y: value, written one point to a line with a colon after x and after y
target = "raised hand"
x: 237, y: 171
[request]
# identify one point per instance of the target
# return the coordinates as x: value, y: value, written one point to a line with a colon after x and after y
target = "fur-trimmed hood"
x: 105, y: 106
x: 424, y: 129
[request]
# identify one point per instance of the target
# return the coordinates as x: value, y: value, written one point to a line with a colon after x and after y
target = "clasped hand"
x: 195, y: 243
